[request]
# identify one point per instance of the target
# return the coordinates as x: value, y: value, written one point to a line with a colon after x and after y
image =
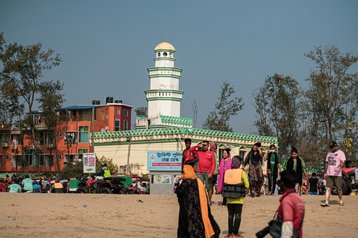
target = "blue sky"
x: 107, y: 46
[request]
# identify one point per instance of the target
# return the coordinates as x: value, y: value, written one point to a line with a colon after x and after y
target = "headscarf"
x: 236, y: 162
x: 213, y: 145
x: 188, y: 172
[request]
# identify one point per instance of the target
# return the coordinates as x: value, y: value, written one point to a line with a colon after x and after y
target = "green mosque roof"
x: 183, y: 121
x: 183, y: 133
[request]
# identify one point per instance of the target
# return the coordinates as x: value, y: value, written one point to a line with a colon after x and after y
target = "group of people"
x: 15, y: 184
x: 202, y: 170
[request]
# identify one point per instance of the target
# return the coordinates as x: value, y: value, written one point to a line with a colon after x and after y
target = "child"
x: 235, y: 176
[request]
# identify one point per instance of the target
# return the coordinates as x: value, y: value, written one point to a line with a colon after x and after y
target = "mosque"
x: 156, y: 143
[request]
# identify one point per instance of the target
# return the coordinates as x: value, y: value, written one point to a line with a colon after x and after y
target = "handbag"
x: 275, y: 227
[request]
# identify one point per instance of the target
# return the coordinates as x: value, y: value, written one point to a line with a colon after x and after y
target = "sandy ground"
x: 89, y: 215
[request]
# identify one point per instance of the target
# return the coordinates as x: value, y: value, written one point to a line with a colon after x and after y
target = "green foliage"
x: 326, y: 111
x: 111, y: 166
x: 226, y: 107
x: 277, y: 107
x: 22, y: 71
x: 141, y: 111
x: 51, y: 101
x: 72, y: 171
x: 332, y: 96
x: 75, y: 170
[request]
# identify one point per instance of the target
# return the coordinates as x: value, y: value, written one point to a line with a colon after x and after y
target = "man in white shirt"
x: 335, y: 160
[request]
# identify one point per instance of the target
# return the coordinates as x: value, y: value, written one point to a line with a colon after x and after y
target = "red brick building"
x: 50, y: 151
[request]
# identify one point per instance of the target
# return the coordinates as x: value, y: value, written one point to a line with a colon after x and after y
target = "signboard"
x: 164, y: 160
x: 89, y: 163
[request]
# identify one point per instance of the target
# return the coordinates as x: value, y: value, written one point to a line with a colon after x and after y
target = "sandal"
x: 324, y: 204
x: 341, y: 203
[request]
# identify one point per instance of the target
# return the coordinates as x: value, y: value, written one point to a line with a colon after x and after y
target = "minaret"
x: 164, y: 96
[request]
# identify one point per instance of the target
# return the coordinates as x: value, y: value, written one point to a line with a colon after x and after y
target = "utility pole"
x: 128, y: 172
x: 195, y: 111
x: 92, y: 130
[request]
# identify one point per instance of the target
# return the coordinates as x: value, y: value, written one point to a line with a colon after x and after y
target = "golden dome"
x: 164, y: 46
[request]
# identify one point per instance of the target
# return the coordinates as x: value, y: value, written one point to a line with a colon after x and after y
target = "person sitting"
x: 15, y: 187
x: 27, y: 184
x: 7, y: 179
x: 45, y: 185
x: 36, y: 187
x: 57, y: 186
x: 103, y: 173
x: 3, y: 186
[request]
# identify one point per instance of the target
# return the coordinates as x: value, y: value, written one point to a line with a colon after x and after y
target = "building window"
x: 48, y: 160
x: 58, y: 157
x: 81, y: 152
x: 6, y: 157
x: 13, y: 161
x: 41, y: 160
x: 45, y: 138
x: 125, y: 112
x: 4, y: 138
x: 117, y: 125
x: 118, y: 111
x: 0, y: 161
x: 125, y: 125
x: 71, y: 159
x: 29, y: 159
x: 83, y: 138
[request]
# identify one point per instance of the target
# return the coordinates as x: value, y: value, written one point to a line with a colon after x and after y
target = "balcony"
x: 50, y: 146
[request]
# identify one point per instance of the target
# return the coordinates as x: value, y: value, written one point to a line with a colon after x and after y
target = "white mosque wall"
x: 138, y: 153
x: 175, y: 109
x: 167, y: 108
x: 164, y: 83
x: 164, y: 63
x: 153, y: 109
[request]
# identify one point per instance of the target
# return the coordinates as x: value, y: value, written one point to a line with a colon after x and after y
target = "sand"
x: 102, y: 215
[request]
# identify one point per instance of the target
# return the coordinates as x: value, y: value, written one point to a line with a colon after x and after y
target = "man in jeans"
x: 206, y: 165
x: 334, y: 163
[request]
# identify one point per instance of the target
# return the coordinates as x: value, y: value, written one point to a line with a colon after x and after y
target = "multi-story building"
x: 20, y: 153
x: 75, y: 131
x: 52, y: 149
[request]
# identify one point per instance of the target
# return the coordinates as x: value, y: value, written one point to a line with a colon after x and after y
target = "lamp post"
x: 128, y: 139
x: 92, y: 130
